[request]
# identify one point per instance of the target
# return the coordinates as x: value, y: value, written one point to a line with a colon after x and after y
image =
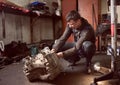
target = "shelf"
x: 104, y: 28
x: 48, y: 16
x: 12, y: 8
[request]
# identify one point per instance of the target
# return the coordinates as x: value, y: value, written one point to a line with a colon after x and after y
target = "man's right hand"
x: 60, y: 54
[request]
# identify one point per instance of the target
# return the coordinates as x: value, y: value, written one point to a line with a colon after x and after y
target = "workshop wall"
x: 1, y: 31
x: 65, y: 9
x: 43, y: 30
x: 118, y: 13
x: 16, y: 28
x: 89, y: 10
x: 22, y: 3
x: 104, y: 7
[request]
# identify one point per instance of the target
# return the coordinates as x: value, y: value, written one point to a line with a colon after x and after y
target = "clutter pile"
x: 12, y: 52
x: 39, y: 8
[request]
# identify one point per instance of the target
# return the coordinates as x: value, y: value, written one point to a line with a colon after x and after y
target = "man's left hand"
x: 60, y: 54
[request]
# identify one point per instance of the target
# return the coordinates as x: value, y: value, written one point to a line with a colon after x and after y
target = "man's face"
x: 74, y: 24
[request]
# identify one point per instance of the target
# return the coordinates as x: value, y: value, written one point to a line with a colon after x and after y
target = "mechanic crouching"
x: 84, y: 40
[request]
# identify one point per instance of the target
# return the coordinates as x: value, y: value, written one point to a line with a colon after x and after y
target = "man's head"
x: 73, y: 19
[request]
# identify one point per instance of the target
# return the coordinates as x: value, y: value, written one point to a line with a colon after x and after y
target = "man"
x: 84, y: 40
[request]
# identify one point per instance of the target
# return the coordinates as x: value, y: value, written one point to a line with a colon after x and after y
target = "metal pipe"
x: 113, y: 33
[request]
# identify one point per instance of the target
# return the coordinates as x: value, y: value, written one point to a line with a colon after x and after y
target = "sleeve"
x: 61, y: 41
x: 73, y: 50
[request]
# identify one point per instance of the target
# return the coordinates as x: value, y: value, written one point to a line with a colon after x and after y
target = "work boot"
x: 89, y: 68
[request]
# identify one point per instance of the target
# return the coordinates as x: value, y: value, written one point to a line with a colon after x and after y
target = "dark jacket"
x: 84, y: 33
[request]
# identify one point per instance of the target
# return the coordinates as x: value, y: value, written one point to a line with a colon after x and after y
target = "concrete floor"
x: 13, y: 74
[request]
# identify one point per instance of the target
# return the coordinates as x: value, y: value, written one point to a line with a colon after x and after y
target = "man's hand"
x: 53, y: 50
x: 60, y: 54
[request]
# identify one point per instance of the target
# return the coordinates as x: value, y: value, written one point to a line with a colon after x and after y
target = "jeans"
x: 87, y: 50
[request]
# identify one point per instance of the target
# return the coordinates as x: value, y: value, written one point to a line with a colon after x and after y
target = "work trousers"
x: 87, y: 50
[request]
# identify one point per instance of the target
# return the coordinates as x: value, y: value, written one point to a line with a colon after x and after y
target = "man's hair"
x: 72, y: 15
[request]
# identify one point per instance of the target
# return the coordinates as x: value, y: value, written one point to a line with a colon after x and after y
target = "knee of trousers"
x: 88, y: 48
